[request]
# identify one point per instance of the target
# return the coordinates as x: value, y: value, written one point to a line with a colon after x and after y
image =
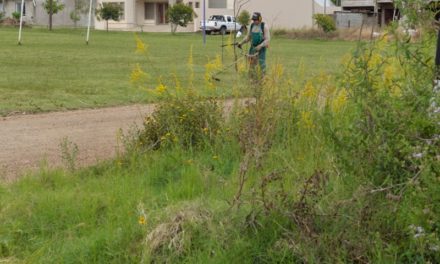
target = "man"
x: 259, y: 36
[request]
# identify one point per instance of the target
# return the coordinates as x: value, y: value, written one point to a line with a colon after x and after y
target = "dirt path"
x: 28, y: 140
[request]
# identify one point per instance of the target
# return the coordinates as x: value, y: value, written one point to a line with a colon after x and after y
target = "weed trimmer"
x: 251, y: 57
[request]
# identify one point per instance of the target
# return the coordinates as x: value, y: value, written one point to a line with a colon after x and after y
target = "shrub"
x: 16, y: 15
x: 325, y: 22
x: 189, y: 121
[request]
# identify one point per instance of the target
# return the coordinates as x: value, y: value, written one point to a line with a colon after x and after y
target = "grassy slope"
x: 57, y: 71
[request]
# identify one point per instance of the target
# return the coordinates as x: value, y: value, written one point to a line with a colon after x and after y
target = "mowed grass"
x: 57, y: 71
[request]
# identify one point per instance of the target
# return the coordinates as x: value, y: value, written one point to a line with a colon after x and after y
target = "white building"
x: 149, y: 15
x: 35, y: 14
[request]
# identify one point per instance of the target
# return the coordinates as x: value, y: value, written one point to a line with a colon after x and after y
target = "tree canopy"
x: 109, y: 11
x: 180, y: 15
x: 52, y: 7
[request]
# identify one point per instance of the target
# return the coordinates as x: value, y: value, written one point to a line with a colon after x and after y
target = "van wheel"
x: 208, y: 32
x: 223, y: 30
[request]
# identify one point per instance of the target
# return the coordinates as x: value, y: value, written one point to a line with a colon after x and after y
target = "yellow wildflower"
x: 141, y: 47
x: 137, y: 74
x: 142, y: 220
x: 306, y: 119
x: 160, y: 89
x: 340, y: 101
x: 210, y: 68
x: 309, y: 90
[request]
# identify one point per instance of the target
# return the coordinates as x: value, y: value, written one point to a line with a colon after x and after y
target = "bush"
x: 190, y: 121
x: 16, y: 15
x: 2, y: 16
x: 325, y: 22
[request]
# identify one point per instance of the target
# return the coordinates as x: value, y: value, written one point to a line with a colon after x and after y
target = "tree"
x: 109, y: 11
x: 52, y: 7
x: 244, y: 18
x: 80, y: 7
x: 180, y: 15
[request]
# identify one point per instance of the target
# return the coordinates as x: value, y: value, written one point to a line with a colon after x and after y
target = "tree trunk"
x: 106, y: 25
x: 50, y: 14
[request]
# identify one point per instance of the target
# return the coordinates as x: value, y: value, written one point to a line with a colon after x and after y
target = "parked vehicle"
x: 220, y: 23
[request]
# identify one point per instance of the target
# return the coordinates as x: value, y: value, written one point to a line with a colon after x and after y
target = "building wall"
x: 10, y: 7
x: 276, y: 13
x: 37, y: 15
x: 135, y: 16
x: 287, y: 13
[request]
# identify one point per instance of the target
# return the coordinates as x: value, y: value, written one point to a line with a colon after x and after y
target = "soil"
x: 30, y: 142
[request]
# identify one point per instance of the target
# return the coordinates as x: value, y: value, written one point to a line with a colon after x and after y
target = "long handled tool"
x: 230, y: 44
x: 225, y: 68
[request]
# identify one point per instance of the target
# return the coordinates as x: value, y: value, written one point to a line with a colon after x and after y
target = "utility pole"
x: 325, y: 7
x: 204, y: 22
x: 89, y: 22
x: 21, y: 22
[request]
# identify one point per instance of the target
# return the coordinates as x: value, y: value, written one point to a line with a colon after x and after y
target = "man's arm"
x: 246, y: 39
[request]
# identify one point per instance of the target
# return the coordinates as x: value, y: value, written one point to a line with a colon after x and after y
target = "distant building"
x: 381, y: 12
x: 149, y: 15
x: 35, y: 14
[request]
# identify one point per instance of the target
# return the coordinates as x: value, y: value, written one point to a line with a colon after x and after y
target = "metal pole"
x: 313, y: 13
x: 21, y: 22
x: 88, y: 24
x: 325, y: 7
x: 204, y: 22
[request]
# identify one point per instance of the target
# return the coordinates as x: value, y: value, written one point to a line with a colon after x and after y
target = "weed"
x: 69, y: 153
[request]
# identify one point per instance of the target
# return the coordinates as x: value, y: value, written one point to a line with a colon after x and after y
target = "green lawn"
x: 57, y: 71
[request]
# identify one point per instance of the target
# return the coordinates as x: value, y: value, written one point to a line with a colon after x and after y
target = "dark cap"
x: 257, y: 16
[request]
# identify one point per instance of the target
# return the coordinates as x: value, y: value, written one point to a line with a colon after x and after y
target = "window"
x: 217, y: 4
x: 197, y: 4
x: 162, y: 9
x: 122, y: 7
x: 217, y: 18
x: 18, y: 8
x: 149, y: 11
x: 190, y: 4
x: 229, y: 19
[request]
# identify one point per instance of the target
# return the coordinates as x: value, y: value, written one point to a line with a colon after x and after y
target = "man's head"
x: 257, y: 18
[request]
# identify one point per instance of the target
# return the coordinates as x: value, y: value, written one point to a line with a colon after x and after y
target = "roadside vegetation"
x: 337, y: 167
